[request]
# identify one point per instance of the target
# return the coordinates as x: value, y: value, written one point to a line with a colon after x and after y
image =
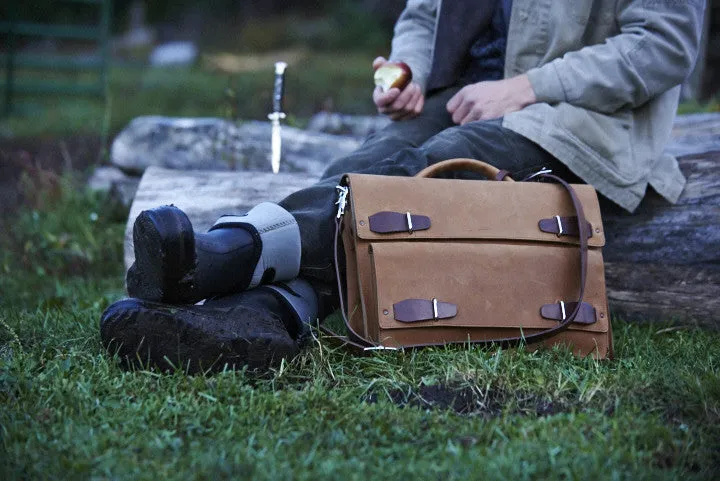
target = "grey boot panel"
x: 280, y: 236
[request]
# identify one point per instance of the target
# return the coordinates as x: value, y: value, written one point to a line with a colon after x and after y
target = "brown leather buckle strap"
x: 387, y: 222
x: 562, y: 226
x: 416, y: 310
x: 558, y: 312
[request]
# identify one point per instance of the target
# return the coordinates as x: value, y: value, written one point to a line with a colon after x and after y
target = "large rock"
x: 217, y: 144
x: 341, y: 124
x: 103, y: 178
x: 120, y: 186
x: 174, y: 54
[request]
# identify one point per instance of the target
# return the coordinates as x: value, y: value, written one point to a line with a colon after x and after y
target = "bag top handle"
x: 471, y: 165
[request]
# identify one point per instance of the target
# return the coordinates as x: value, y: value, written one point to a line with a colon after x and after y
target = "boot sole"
x: 164, y: 244
x: 194, y: 339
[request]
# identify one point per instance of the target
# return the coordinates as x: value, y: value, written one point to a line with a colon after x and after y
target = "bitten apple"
x: 393, y: 75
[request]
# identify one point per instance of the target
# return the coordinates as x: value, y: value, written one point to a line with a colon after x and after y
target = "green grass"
x: 68, y: 411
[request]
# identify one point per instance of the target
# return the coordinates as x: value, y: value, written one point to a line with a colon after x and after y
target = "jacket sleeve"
x: 414, y: 37
x: 654, y: 51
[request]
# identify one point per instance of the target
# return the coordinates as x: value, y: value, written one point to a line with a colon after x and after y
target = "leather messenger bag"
x: 432, y: 261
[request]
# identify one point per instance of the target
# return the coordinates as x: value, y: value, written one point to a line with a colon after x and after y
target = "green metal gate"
x: 14, y: 62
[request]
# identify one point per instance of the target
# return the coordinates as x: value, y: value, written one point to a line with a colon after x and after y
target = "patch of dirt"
x: 467, y: 400
x: 31, y: 168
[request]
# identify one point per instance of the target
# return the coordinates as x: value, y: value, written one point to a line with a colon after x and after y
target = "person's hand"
x: 396, y: 104
x: 491, y: 100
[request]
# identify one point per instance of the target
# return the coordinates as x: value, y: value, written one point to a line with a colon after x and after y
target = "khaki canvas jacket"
x: 606, y: 74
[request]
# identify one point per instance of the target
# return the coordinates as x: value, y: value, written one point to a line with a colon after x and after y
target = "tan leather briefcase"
x: 436, y: 261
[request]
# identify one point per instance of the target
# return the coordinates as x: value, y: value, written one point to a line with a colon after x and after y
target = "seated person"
x: 586, y: 88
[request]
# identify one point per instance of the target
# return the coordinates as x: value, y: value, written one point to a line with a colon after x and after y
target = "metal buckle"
x: 562, y: 309
x: 435, y: 309
x: 409, y: 222
x: 559, y: 224
x: 342, y: 200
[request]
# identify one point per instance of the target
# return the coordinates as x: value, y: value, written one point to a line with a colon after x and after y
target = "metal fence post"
x: 105, y: 45
x: 10, y: 63
x: 16, y: 62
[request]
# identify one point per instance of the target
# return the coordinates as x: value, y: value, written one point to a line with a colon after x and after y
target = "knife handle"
x: 279, y: 89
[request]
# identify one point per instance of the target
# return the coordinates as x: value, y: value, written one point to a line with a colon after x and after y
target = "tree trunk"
x: 663, y: 261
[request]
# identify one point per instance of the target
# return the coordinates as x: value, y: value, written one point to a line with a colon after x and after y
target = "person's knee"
x: 385, y: 138
x: 448, y: 144
x: 473, y: 140
x: 378, y: 146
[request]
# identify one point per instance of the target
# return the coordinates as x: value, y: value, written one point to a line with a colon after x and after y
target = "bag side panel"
x: 368, y: 290
x: 352, y: 287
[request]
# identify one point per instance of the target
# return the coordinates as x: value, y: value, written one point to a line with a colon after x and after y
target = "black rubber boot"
x: 174, y: 264
x: 257, y: 328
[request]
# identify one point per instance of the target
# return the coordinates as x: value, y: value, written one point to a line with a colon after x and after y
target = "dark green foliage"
x: 70, y: 412
x: 74, y: 239
x: 176, y: 16
x: 345, y: 81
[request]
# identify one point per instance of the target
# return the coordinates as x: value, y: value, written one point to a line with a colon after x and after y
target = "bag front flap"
x: 490, y: 284
x: 468, y: 209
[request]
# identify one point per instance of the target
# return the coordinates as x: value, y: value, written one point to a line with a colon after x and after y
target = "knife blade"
x: 277, y: 115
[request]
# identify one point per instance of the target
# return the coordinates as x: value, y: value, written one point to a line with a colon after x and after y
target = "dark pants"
x: 404, y: 148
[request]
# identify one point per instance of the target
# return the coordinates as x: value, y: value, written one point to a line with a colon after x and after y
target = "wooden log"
x: 218, y: 144
x: 686, y: 233
x: 206, y: 195
x: 666, y: 293
x: 662, y: 262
